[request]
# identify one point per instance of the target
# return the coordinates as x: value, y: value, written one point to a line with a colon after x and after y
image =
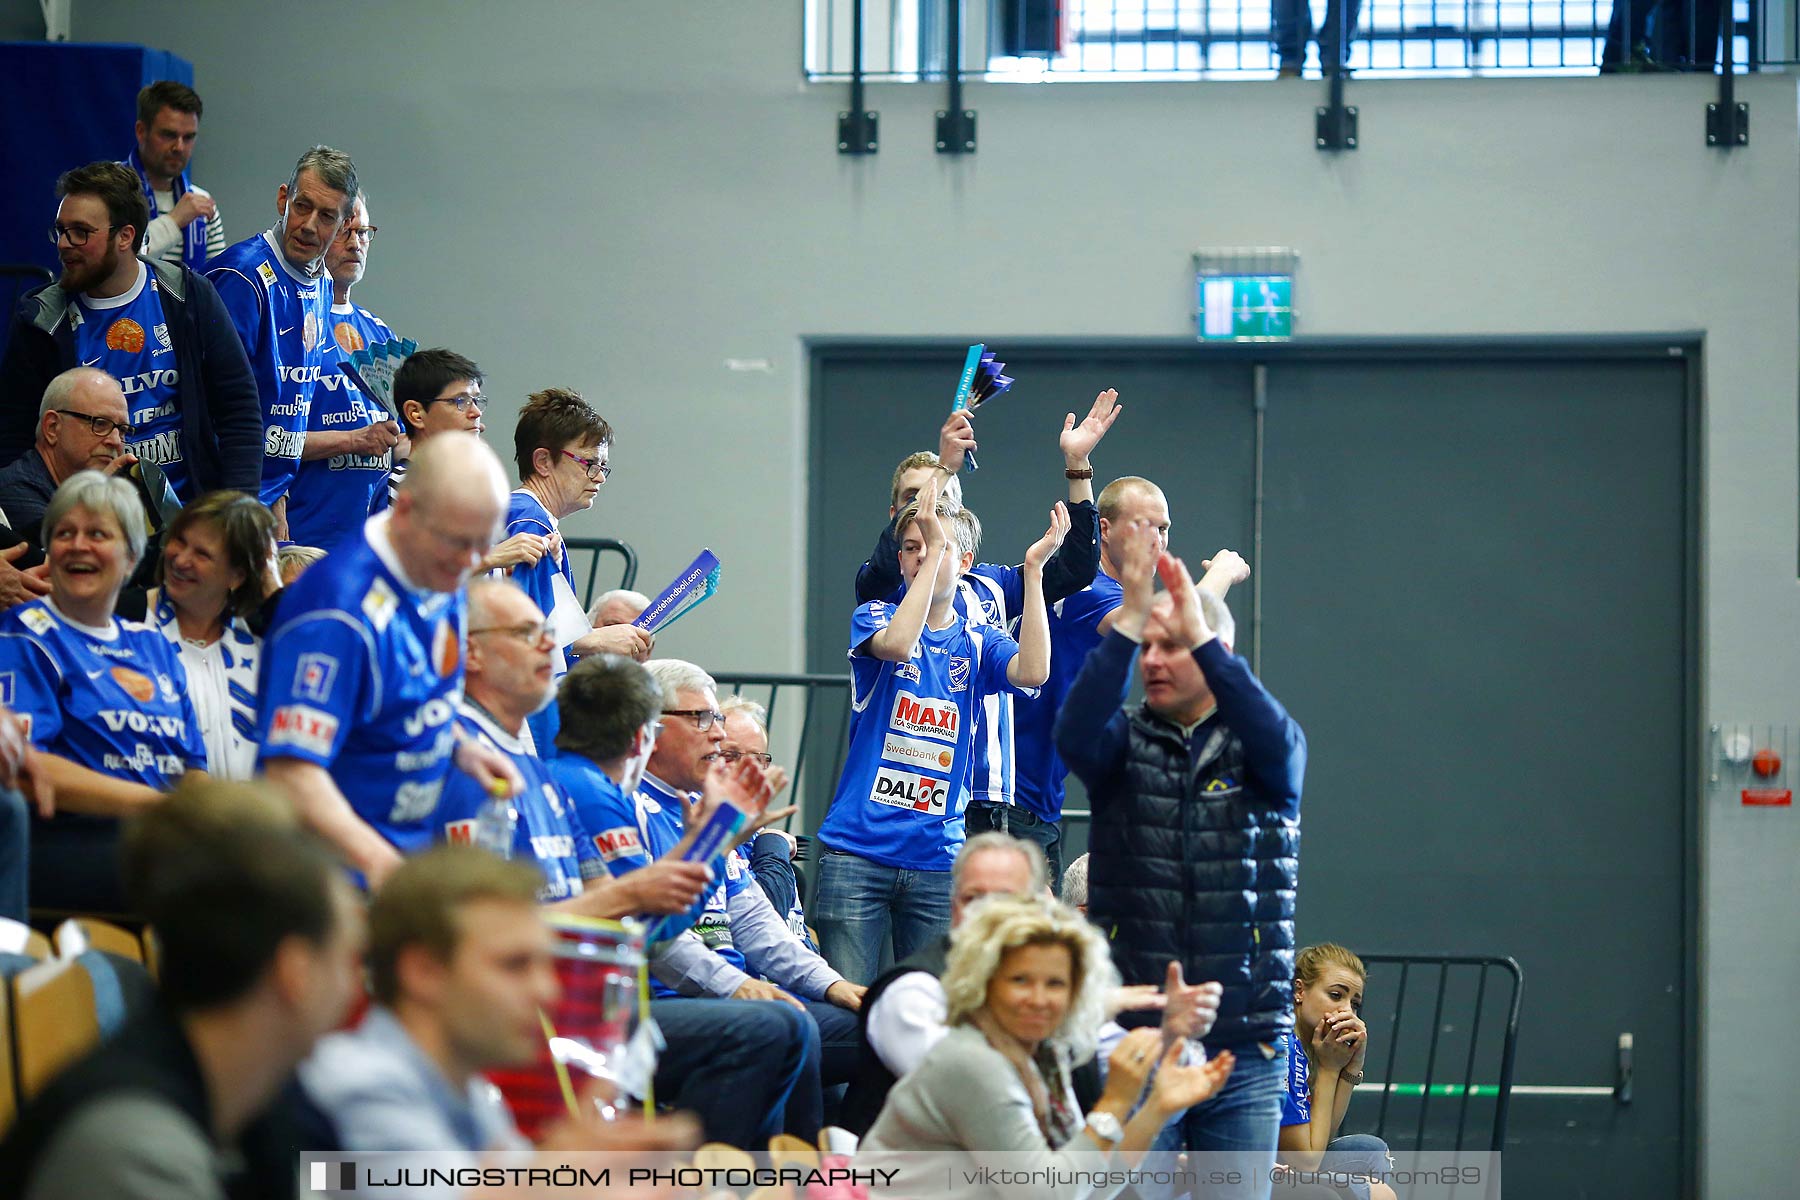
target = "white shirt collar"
x: 123, y: 298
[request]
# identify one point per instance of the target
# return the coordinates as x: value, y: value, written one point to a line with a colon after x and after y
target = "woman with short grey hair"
x: 105, y: 702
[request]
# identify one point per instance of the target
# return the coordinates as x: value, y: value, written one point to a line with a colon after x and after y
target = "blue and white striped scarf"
x: 193, y: 251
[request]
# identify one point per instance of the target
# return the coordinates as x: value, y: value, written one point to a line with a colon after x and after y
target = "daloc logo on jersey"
x: 959, y: 674
x: 905, y: 789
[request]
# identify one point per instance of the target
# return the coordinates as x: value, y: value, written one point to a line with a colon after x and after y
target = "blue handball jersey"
x: 1074, y: 632
x: 331, y: 497
x: 127, y: 336
x: 993, y: 595
x: 660, y: 810
x: 905, y: 784
x: 113, y: 701
x: 549, y: 832
x: 281, y: 316
x: 619, y: 826
x: 361, y: 675
x: 540, y: 580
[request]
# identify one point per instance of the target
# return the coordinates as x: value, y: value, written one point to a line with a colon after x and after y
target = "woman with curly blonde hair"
x: 1027, y: 986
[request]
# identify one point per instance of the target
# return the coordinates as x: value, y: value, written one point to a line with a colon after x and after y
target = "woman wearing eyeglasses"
x: 216, y: 570
x: 562, y: 447
x: 105, y: 702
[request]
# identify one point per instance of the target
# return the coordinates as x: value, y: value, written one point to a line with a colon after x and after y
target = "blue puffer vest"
x: 1187, y: 867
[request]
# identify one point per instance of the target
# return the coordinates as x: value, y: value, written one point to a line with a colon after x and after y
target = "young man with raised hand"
x: 920, y: 671
x: 993, y: 594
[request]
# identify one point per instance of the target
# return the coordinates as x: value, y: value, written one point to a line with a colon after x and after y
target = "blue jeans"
x: 1022, y: 823
x: 735, y: 1064
x: 859, y: 903
x: 15, y: 854
x: 1357, y: 1154
x: 1243, y: 1119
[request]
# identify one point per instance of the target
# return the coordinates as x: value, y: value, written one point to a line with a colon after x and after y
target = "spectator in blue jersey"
x: 1194, y: 850
x: 749, y: 1069
x: 106, y: 702
x: 1325, y: 1055
x: 184, y: 218
x: 770, y: 854
x: 564, y: 451
x: 159, y: 328
x: 992, y: 594
x: 362, y: 669
x: 211, y: 582
x: 920, y: 671
x: 507, y: 677
x: 437, y: 391
x: 275, y: 289
x: 350, y: 438
x: 1077, y: 623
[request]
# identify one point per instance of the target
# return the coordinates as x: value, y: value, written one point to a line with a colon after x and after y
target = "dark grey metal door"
x: 1476, y: 578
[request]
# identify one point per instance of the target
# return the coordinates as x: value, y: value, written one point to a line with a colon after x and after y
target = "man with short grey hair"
x: 81, y: 424
x: 621, y: 606
x: 280, y: 305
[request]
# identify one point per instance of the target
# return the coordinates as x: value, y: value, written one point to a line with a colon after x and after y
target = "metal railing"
x: 600, y: 547
x: 1051, y: 40
x: 809, y: 728
x: 1443, y: 1056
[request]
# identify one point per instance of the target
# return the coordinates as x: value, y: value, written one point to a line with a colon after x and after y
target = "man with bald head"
x: 365, y: 661
x: 81, y: 423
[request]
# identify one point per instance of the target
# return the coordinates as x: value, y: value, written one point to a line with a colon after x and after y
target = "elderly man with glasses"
x: 81, y: 424
x: 357, y: 717
x: 350, y: 438
x: 160, y: 329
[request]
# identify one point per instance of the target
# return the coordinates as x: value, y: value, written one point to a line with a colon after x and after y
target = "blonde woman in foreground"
x: 1026, y: 983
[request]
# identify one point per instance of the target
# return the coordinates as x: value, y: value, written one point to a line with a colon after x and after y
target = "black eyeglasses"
x: 463, y: 403
x: 734, y: 755
x: 703, y: 718
x: 596, y: 468
x: 78, y: 235
x: 102, y: 426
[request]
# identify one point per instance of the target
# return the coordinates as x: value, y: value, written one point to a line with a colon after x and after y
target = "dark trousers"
x: 75, y: 864
x: 983, y: 815
x: 1291, y: 29
x: 737, y: 1065
x: 15, y: 854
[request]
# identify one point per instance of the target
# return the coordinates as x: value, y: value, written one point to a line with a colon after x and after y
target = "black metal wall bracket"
x: 1334, y: 125
x: 859, y: 132
x: 1728, y: 124
x: 956, y: 131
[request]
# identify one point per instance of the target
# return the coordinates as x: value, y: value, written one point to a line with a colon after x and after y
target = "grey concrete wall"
x: 627, y: 196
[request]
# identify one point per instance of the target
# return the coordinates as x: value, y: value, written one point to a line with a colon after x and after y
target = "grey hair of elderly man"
x: 621, y: 606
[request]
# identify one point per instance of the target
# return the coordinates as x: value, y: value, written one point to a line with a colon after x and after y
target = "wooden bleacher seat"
x: 91, y: 933
x: 53, y: 1021
x: 9, y: 1095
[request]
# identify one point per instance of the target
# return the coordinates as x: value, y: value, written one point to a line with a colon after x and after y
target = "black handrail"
x: 598, y: 547
x: 1509, y: 1039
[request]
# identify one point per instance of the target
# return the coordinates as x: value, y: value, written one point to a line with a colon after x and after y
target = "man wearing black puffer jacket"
x: 1194, y: 850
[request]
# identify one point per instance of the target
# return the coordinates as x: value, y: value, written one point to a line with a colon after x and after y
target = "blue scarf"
x: 194, y: 250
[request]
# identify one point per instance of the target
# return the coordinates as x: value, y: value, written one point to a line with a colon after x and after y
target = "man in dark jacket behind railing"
x: 1194, y: 850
